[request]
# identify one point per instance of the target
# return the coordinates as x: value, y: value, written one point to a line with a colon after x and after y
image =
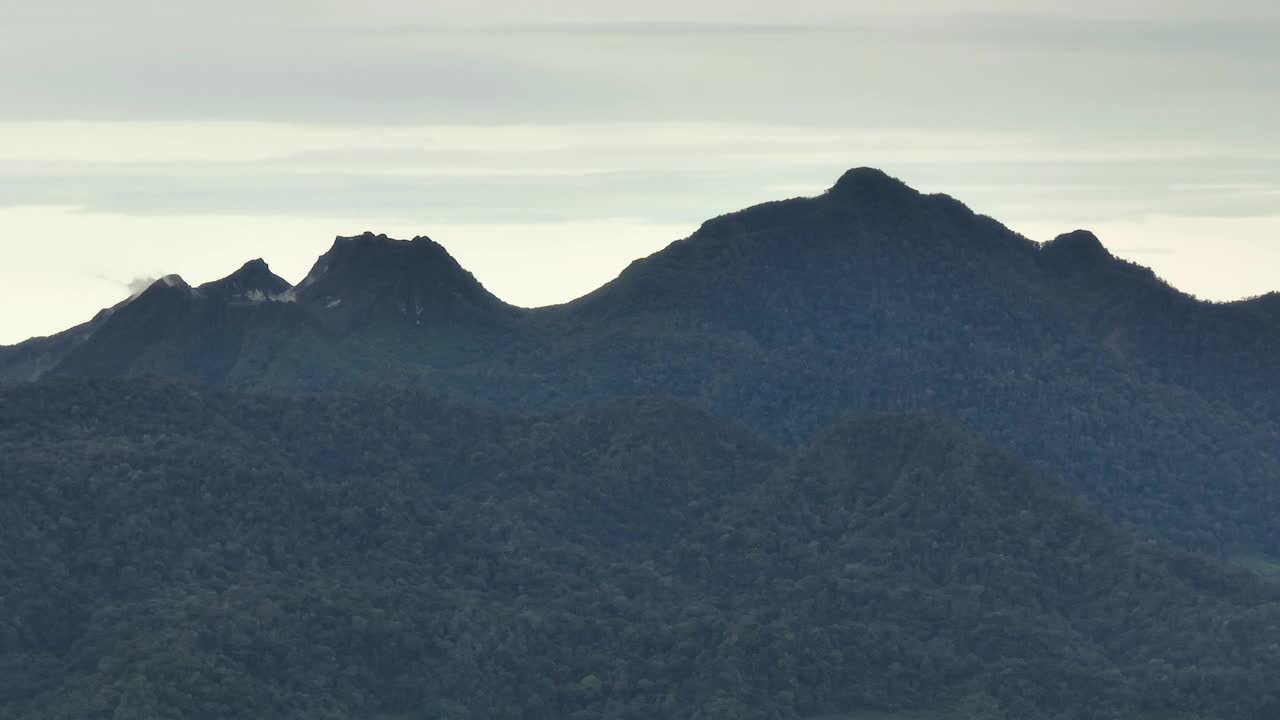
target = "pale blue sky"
x: 548, y: 144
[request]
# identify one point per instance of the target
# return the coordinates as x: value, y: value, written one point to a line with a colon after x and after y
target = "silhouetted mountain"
x: 873, y: 297
x: 1158, y: 408
x: 169, y: 325
x: 158, y: 315
x: 253, y: 282
x: 833, y: 258
x: 1267, y: 306
x: 1079, y: 251
x: 368, y: 304
x: 30, y: 360
x: 191, y: 553
x: 370, y: 277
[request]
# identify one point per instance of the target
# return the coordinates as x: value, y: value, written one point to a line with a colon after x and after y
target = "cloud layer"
x: 272, y: 121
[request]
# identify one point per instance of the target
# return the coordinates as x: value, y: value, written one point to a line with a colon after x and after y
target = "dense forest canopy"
x: 177, y: 552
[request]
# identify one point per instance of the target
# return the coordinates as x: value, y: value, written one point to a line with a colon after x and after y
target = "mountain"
x: 417, y: 281
x: 118, y: 335
x: 1157, y: 408
x: 32, y: 359
x: 253, y: 282
x: 872, y: 297
x: 918, y: 463
x: 370, y: 305
x: 185, y: 552
x: 173, y: 325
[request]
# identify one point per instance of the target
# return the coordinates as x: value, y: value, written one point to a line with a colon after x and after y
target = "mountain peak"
x: 253, y: 282
x: 414, y: 278
x: 369, y: 254
x: 369, y: 239
x: 364, y: 238
x: 165, y: 283
x: 1076, y: 250
x: 868, y: 181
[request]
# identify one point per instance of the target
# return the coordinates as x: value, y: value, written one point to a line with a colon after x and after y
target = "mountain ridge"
x: 253, y: 282
x: 1071, y: 248
x: 785, y: 316
x: 864, y: 452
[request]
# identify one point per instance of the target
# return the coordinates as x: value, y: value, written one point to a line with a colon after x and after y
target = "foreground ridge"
x: 464, y: 558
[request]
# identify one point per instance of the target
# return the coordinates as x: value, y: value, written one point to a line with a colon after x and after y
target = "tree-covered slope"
x: 1156, y: 407
x: 176, y: 552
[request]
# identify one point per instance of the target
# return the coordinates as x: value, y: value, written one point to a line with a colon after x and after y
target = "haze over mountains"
x: 463, y: 509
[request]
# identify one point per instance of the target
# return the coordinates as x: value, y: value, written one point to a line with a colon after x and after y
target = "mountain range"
x: 1159, y: 408
x: 868, y: 450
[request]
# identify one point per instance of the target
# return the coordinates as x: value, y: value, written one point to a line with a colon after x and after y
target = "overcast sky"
x: 548, y: 144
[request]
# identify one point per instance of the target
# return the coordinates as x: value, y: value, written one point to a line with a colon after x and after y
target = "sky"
x: 548, y: 144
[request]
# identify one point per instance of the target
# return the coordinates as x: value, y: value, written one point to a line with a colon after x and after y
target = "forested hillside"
x: 1157, y: 408
x: 916, y: 463
x: 177, y: 552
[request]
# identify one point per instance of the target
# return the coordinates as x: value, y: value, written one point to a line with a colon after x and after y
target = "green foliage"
x: 180, y: 553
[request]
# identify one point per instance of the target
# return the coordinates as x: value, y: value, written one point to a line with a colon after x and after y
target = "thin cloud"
x: 138, y: 284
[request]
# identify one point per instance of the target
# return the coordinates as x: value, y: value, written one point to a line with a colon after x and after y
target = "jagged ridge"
x: 253, y: 282
x: 790, y: 314
x: 417, y: 279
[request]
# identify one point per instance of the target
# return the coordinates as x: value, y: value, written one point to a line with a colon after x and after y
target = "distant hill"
x: 1159, y: 409
x: 173, y: 551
